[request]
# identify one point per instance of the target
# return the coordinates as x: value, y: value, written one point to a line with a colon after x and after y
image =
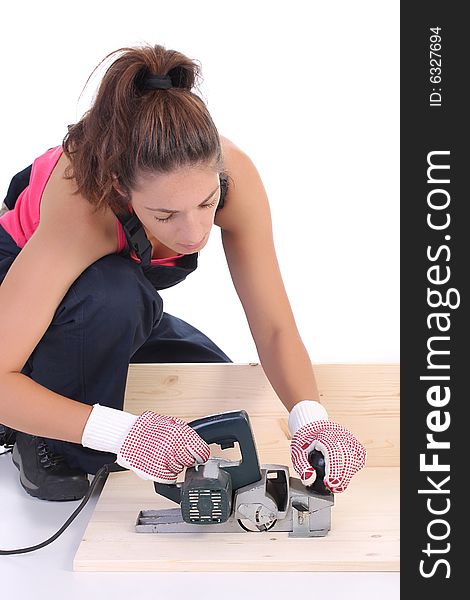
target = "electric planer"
x: 222, y: 496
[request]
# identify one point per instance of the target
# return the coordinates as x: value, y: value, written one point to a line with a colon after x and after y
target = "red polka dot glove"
x: 344, y: 455
x: 154, y: 446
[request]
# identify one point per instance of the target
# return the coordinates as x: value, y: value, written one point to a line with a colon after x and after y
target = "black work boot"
x: 46, y: 475
x: 7, y: 438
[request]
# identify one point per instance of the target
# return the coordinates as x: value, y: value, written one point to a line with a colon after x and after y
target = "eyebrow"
x: 167, y: 210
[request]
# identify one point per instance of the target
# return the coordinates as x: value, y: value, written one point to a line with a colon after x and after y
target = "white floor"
x: 26, y: 521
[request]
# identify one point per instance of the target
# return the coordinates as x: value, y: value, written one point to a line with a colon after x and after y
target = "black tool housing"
x: 224, y: 429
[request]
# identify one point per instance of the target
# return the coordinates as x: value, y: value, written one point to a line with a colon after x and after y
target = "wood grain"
x: 363, y: 398
x: 364, y: 534
x: 365, y: 519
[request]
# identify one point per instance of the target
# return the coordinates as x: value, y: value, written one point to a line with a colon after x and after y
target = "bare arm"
x: 248, y: 243
x: 68, y: 239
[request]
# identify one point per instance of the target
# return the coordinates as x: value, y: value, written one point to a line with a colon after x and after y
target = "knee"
x: 114, y: 287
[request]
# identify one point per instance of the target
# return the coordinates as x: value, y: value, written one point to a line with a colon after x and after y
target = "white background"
x: 308, y: 89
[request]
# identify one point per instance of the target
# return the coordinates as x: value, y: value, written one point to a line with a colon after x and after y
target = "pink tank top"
x: 22, y: 221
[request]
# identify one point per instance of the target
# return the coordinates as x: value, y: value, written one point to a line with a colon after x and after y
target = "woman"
x: 98, y: 225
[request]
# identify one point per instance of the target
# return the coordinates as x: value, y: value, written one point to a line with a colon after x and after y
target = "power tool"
x: 222, y: 496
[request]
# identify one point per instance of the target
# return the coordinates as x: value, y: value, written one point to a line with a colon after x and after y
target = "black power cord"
x: 104, y: 471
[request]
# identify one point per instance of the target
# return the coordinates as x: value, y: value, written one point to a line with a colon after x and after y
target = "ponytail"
x: 131, y: 129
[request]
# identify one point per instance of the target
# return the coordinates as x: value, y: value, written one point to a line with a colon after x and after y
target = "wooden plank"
x: 363, y: 398
x: 365, y: 519
x: 364, y: 534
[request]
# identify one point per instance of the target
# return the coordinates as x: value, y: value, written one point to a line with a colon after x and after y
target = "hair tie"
x: 157, y: 82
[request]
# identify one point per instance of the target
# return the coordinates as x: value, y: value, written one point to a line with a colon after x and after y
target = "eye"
x: 211, y: 204
x: 163, y: 220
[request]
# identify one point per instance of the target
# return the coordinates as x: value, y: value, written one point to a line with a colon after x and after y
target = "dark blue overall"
x: 112, y: 315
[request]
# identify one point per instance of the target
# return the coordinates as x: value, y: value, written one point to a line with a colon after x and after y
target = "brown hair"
x: 129, y: 130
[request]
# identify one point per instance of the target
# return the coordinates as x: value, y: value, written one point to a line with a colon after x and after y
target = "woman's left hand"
x: 344, y: 455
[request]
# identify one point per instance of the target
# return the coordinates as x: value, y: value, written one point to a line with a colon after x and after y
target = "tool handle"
x: 224, y: 429
x: 317, y: 460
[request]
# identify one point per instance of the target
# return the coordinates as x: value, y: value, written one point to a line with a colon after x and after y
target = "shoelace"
x: 48, y: 458
x: 7, y: 440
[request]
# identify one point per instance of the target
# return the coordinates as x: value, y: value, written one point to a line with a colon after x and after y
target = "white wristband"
x: 107, y: 428
x: 305, y: 412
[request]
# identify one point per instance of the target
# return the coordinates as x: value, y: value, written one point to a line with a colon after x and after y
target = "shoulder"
x: 245, y: 195
x: 239, y: 166
x: 62, y: 206
x: 234, y: 156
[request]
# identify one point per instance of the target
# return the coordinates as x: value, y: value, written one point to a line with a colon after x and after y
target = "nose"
x: 194, y: 232
x: 191, y: 238
x: 194, y: 243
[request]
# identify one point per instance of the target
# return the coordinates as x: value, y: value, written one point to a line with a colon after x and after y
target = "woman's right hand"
x: 159, y: 447
x: 154, y: 446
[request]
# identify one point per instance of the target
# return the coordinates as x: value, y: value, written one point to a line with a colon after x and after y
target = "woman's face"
x: 178, y: 208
